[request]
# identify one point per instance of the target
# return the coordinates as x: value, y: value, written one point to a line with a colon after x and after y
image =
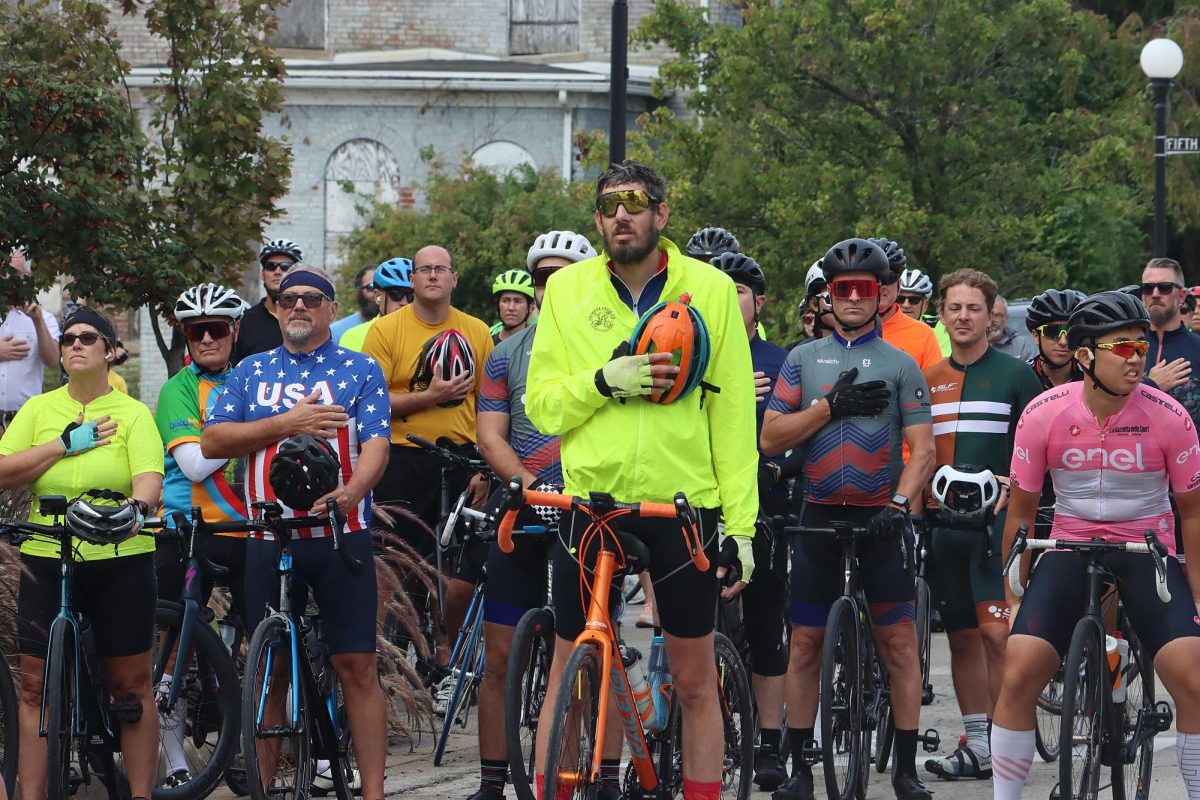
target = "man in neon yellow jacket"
x: 583, y: 387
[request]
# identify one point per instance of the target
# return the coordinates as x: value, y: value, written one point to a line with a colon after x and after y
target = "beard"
x: 298, y: 332
x: 632, y: 252
x: 1161, y: 314
x: 368, y: 309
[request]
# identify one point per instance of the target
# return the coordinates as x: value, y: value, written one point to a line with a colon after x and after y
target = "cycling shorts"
x: 1056, y: 598
x: 686, y: 597
x: 965, y: 581
x: 517, y: 580
x: 347, y: 601
x: 470, y: 562
x: 765, y: 605
x: 817, y: 570
x: 224, y: 551
x: 117, y: 595
x: 413, y: 480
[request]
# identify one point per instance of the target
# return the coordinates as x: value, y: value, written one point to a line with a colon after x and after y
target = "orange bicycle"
x: 578, y: 721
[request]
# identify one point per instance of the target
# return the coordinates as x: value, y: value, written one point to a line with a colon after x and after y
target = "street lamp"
x: 1161, y: 61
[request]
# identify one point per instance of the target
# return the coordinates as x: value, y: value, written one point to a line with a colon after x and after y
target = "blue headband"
x: 302, y: 277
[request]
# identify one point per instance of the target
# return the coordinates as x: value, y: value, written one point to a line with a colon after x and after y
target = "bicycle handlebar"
x: 440, y: 449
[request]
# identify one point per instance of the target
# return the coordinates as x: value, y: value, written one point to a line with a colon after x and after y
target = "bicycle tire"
x: 61, y: 681
x: 885, y: 727
x: 737, y: 717
x: 573, y: 728
x: 213, y: 710
x: 841, y: 701
x: 525, y: 682
x: 925, y: 638
x: 10, y: 739
x: 272, y: 639
x: 466, y: 664
x: 1139, y: 695
x: 1049, y: 718
x: 346, y: 776
x: 1085, y: 681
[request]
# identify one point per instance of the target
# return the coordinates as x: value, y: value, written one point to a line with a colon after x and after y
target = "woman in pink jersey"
x: 1117, y: 451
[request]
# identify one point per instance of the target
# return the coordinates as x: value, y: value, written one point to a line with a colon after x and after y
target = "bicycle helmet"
x: 677, y: 328
x: 743, y: 269
x: 304, y: 469
x: 1133, y: 290
x: 395, y: 273
x: 856, y: 255
x: 564, y: 244
x: 280, y: 247
x: 110, y: 521
x: 916, y: 282
x: 1103, y: 313
x: 708, y: 242
x: 1051, y: 305
x: 209, y: 300
x: 514, y: 280
x: 814, y: 281
x: 966, y: 494
x: 895, y: 255
x: 448, y: 352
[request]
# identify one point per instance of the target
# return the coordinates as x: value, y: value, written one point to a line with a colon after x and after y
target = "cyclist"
x: 897, y: 329
x: 209, y: 315
x: 62, y: 443
x: 309, y: 385
x: 260, y: 326
x: 513, y: 446
x: 851, y: 434
x: 513, y: 291
x: 584, y: 388
x: 1115, y: 450
x: 764, y: 601
x: 393, y: 291
x: 915, y: 290
x: 366, y: 298
x: 1174, y: 349
x: 710, y: 242
x: 977, y: 395
x: 1046, y: 320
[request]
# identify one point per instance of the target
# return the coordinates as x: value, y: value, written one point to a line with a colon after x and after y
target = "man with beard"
x: 260, y: 325
x: 365, y: 297
x: 584, y: 387
x: 1174, y: 349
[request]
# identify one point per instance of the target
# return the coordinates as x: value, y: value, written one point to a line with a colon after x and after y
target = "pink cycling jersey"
x: 1112, y: 479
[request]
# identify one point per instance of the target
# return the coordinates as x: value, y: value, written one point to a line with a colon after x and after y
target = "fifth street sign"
x: 1183, y: 145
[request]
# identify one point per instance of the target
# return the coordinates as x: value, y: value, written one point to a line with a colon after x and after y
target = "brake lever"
x: 337, y: 522
x: 1014, y: 559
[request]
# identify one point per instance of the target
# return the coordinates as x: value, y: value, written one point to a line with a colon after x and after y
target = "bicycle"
x: 525, y: 683
x: 1100, y: 729
x: 10, y: 736
x: 287, y: 664
x: 579, y: 716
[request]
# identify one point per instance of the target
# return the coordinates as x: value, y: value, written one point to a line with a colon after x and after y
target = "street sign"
x: 1183, y: 145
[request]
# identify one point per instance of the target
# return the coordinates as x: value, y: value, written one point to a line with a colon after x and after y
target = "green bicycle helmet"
x: 514, y: 280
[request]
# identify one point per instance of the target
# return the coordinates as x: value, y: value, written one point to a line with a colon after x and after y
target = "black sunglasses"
x: 1163, y: 287
x: 399, y: 295
x: 272, y: 266
x: 88, y: 338
x: 216, y: 328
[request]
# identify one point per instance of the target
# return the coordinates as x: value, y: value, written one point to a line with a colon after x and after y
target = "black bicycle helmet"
x: 708, y: 242
x: 1103, y: 313
x: 743, y: 269
x: 856, y: 255
x: 110, y: 521
x: 304, y: 469
x: 897, y: 261
x: 1133, y: 290
x: 1051, y: 305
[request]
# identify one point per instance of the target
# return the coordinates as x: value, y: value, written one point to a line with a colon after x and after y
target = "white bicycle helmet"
x: 965, y: 493
x: 280, y: 247
x: 209, y: 300
x: 916, y: 282
x: 564, y: 244
x: 815, y: 274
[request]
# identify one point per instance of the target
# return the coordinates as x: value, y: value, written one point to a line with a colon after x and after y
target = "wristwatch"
x: 902, y: 501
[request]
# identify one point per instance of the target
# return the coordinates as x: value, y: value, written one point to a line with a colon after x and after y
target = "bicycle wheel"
x: 61, y: 680
x: 1085, y: 684
x: 466, y: 665
x: 347, y: 781
x: 885, y: 725
x: 211, y: 691
x: 737, y: 717
x: 1049, y: 718
x: 278, y: 755
x: 841, y: 701
x: 9, y: 732
x: 573, y: 729
x: 924, y: 638
x: 524, y: 692
x: 1139, y: 696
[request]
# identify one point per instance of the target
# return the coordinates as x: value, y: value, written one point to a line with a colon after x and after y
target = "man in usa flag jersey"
x: 309, y: 385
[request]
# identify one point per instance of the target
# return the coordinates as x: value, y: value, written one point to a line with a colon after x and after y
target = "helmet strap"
x: 1097, y: 383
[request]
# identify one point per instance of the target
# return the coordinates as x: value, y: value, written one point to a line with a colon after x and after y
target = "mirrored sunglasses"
x: 635, y: 201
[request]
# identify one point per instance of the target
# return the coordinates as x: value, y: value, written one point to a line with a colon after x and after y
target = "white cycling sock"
x: 1188, y: 745
x: 977, y: 734
x: 172, y: 726
x: 1012, y: 757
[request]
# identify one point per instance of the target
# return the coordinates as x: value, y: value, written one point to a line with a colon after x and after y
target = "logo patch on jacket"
x: 602, y: 318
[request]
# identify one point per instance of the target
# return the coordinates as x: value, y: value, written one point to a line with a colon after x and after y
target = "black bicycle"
x: 525, y: 682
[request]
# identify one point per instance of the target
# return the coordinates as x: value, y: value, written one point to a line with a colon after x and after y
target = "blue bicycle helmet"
x: 395, y: 273
x: 677, y: 328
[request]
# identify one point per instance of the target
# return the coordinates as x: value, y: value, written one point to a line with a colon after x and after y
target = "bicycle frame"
x: 66, y: 616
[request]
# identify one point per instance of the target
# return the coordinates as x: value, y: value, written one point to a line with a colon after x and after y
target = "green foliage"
x: 486, y: 221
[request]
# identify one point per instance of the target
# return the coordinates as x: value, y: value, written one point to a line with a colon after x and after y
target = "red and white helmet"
x: 447, y: 354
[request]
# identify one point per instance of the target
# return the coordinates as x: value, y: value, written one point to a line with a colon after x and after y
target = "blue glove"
x: 77, y: 438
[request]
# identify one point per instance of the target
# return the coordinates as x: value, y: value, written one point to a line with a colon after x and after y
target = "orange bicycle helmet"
x: 448, y: 351
x: 677, y: 328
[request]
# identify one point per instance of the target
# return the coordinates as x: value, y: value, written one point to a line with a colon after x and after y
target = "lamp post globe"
x: 1161, y: 60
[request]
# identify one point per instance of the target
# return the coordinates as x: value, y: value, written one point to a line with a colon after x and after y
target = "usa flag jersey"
x: 267, y: 384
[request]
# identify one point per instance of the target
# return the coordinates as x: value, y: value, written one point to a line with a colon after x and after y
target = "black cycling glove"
x: 847, y: 399
x: 888, y: 523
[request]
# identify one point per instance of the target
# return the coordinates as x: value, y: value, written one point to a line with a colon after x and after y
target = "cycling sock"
x: 696, y: 790
x: 1012, y: 757
x: 1188, y: 745
x: 906, y: 751
x: 492, y: 772
x: 770, y: 737
x: 172, y: 726
x: 610, y: 771
x: 797, y: 737
x: 977, y: 734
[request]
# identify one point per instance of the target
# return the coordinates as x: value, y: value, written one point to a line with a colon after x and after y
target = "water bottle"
x: 1117, y: 650
x: 635, y: 670
x: 660, y: 676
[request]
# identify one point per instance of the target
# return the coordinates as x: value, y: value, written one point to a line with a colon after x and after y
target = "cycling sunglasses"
x: 216, y: 328
x: 1163, y: 287
x: 635, y: 201
x: 399, y: 295
x: 910, y: 299
x: 310, y: 300
x: 272, y: 266
x: 88, y: 338
x: 1126, y: 348
x: 865, y: 287
x: 1052, y: 330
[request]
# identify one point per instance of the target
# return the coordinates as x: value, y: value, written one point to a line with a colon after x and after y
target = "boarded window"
x: 543, y: 26
x: 359, y: 174
x: 301, y: 25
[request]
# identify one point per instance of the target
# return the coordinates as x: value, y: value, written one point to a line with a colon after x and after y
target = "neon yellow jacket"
x: 703, y: 445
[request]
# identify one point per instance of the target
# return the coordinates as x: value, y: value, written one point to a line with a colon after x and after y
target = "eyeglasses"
x: 865, y: 288
x: 310, y: 300
x: 1126, y: 348
x: 399, y: 295
x: 1052, y: 330
x: 635, y: 201
x: 440, y: 269
x: 216, y: 328
x: 284, y: 266
x: 1163, y: 287
x: 368, y: 287
x: 910, y: 299
x: 88, y: 338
